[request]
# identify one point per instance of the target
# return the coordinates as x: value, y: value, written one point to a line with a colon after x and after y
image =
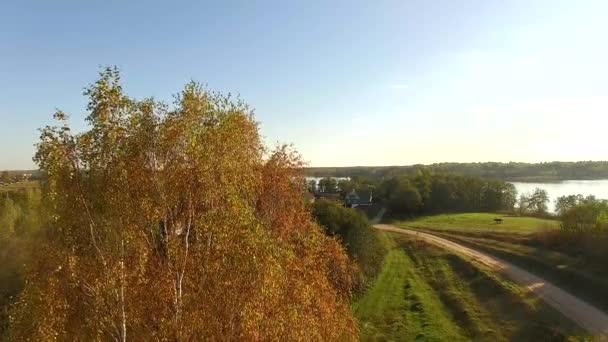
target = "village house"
x: 354, y: 200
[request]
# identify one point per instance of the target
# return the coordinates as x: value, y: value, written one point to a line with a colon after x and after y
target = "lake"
x: 598, y: 188
x: 317, y: 179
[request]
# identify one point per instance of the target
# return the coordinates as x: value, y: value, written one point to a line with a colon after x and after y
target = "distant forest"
x: 35, y: 174
x: 512, y: 171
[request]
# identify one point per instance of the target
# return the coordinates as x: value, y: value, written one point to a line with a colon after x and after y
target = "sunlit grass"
x: 426, y: 293
x: 480, y: 222
x: 402, y: 306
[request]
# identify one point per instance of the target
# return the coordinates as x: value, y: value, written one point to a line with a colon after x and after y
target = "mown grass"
x: 426, y: 293
x: 480, y: 222
x: 402, y: 306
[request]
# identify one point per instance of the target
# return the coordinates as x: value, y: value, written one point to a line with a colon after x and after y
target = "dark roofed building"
x: 353, y: 200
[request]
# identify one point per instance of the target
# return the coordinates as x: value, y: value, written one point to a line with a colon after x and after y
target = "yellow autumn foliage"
x: 175, y: 223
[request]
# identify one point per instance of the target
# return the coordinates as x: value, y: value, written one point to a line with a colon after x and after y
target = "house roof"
x: 354, y: 198
x: 352, y: 195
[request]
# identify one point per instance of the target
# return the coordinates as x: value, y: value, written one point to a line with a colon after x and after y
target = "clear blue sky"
x: 348, y: 82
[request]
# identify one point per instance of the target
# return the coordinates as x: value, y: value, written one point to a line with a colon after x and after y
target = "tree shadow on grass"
x: 526, y: 322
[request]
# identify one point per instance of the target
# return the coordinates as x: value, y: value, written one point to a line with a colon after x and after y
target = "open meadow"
x: 480, y: 222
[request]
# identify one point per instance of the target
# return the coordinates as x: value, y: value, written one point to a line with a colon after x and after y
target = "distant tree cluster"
x: 6, y: 177
x: 430, y: 193
x: 328, y: 184
x: 331, y: 185
x: 533, y: 203
x: 174, y: 223
x: 583, y: 214
x: 511, y: 171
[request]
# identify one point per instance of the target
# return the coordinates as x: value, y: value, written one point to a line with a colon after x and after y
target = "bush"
x: 589, y: 215
x: 362, y: 243
x: 20, y: 219
x: 583, y: 233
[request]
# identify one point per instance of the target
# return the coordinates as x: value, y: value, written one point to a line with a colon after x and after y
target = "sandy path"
x: 587, y: 316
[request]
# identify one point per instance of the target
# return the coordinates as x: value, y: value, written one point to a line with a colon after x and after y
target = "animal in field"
x: 498, y: 220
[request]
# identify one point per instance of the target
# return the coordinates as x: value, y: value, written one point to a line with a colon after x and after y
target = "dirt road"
x: 587, y: 316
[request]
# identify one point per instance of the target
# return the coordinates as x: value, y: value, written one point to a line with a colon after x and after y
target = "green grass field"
x: 402, y: 306
x: 19, y: 186
x: 587, y: 279
x: 519, y: 240
x: 480, y: 222
x: 425, y: 293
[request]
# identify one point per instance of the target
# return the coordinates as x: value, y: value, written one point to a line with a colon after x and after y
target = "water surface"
x: 599, y: 188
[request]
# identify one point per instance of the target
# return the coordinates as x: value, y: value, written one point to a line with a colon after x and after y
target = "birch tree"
x: 173, y: 222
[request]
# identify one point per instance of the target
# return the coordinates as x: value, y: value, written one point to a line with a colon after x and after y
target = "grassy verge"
x: 429, y: 294
x: 402, y: 306
x: 480, y: 222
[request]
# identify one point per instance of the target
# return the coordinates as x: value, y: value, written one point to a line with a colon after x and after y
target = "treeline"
x: 21, y: 218
x: 342, y: 186
x: 512, y: 171
x: 19, y: 175
x: 579, y: 214
x: 426, y: 193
